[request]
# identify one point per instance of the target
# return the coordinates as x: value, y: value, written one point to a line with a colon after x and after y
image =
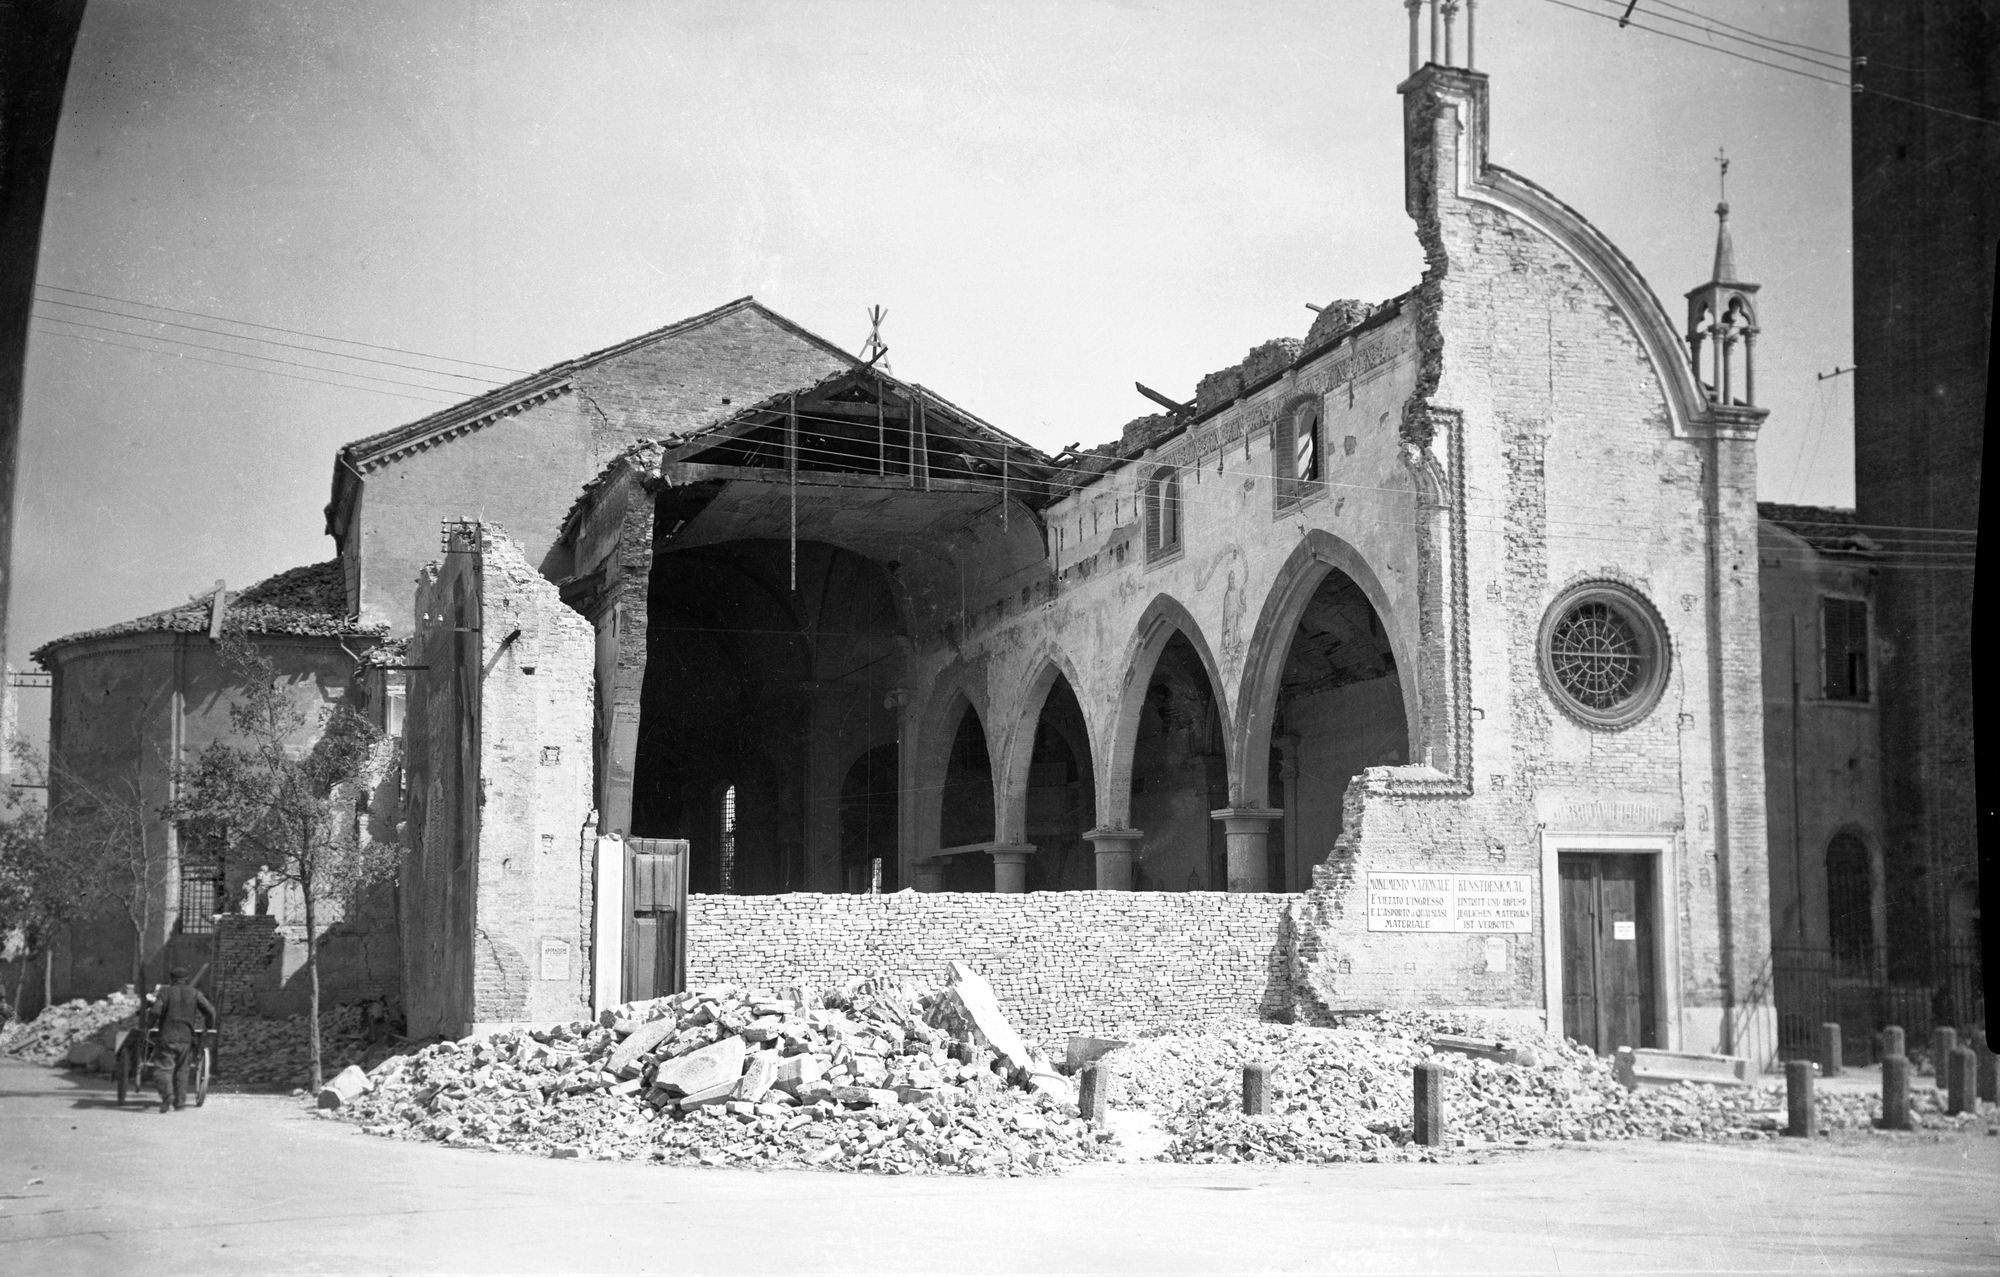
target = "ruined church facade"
x: 1429, y: 640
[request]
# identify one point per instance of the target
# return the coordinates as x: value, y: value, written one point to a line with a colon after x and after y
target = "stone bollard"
x: 1829, y: 1050
x: 1891, y: 1042
x: 1943, y: 1043
x: 1895, y: 1093
x: 1960, y: 1070
x: 1799, y: 1098
x: 1257, y: 1089
x: 1989, y: 1070
x: 1093, y: 1099
x: 1428, y: 1124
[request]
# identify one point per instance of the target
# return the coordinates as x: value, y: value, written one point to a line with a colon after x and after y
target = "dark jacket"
x: 176, y: 1010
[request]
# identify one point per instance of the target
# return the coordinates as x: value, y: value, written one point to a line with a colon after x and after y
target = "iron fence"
x: 1811, y: 989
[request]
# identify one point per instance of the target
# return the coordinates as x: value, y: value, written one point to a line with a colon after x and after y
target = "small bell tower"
x: 1721, y: 315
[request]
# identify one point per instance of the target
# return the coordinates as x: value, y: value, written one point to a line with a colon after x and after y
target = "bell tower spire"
x: 1723, y: 313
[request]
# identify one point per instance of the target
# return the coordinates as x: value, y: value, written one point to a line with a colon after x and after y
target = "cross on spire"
x: 1722, y: 159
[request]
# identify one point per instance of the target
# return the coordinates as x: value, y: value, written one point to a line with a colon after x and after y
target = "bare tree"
x: 281, y: 795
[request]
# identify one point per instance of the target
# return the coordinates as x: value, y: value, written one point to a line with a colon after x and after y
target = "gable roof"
x: 1824, y: 528
x: 538, y: 386
x: 306, y: 601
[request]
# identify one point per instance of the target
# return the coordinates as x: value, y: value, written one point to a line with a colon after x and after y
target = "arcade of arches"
x: 775, y: 718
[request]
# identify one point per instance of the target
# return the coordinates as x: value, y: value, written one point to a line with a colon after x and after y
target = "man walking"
x: 174, y: 1014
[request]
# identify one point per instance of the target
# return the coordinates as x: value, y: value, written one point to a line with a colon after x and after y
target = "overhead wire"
x: 1699, y: 44
x: 224, y: 350
x: 1758, y: 35
x: 268, y: 341
x: 1851, y: 84
x: 268, y: 372
x: 295, y: 332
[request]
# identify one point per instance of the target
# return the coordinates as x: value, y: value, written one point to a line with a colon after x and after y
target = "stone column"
x: 1114, y: 849
x: 1010, y: 867
x: 927, y: 875
x: 1247, y: 832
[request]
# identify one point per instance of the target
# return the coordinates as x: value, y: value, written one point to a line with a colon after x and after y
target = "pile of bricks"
x: 890, y: 1078
x: 69, y: 1029
x: 1345, y: 1094
x: 273, y: 1054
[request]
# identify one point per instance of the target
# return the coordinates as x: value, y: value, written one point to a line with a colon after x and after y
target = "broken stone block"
x: 1083, y: 1049
x: 344, y: 1087
x: 757, y: 1078
x: 721, y: 1063
x: 814, y: 1092
x: 641, y: 1040
x: 721, y: 1093
x: 794, y: 1071
x: 863, y: 1095
x: 969, y: 1008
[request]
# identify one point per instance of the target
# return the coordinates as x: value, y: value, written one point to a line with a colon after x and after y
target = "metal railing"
x: 1811, y: 990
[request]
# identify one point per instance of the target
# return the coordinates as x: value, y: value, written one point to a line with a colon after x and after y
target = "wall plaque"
x: 1450, y: 902
x: 555, y: 959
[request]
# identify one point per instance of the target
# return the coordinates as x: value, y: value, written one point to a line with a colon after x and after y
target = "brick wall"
x: 1062, y: 962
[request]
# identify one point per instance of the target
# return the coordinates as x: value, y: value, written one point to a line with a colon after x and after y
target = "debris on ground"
x: 79, y: 1025
x: 273, y: 1054
x: 1344, y: 1094
x: 251, y: 1051
x: 872, y: 1077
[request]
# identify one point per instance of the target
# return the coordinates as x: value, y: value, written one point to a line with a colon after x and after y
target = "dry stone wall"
x: 1103, y: 962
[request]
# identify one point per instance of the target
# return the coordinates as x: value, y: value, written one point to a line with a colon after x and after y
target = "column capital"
x: 1109, y: 834
x: 1250, y: 816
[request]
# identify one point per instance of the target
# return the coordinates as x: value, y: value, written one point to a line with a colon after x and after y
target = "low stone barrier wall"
x: 1062, y: 961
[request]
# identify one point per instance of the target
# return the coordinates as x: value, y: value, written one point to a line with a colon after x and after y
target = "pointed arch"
x: 1163, y: 618
x: 1319, y: 555
x: 953, y: 695
x: 1017, y: 747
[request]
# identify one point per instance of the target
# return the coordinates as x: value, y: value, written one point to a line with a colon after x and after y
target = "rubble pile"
x: 275, y: 1053
x: 1344, y: 1094
x: 50, y: 1036
x: 894, y: 1078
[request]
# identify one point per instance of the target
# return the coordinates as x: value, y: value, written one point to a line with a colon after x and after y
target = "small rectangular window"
x: 1844, y: 631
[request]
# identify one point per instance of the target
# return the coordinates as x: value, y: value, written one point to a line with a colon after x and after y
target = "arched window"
x: 1850, y: 906
x: 1296, y: 454
x: 1163, y: 513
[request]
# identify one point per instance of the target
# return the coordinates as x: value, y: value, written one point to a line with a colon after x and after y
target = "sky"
x: 1051, y: 199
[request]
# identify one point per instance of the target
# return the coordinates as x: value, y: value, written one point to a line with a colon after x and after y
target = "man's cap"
x: 178, y: 973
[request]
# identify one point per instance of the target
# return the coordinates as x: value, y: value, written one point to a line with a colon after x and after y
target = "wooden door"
x: 1607, y: 950
x: 655, y: 917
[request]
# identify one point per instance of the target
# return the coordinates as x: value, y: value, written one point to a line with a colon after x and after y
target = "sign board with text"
x: 1450, y: 902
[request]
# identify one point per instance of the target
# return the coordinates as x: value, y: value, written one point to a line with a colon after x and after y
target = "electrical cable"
x: 1759, y: 35
x: 268, y: 372
x: 295, y: 332
x: 289, y: 345
x: 1638, y: 26
x: 224, y: 350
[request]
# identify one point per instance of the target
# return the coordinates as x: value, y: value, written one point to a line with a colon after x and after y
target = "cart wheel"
x: 201, y: 1067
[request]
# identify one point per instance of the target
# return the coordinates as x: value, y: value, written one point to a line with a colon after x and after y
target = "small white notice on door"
x: 1624, y: 929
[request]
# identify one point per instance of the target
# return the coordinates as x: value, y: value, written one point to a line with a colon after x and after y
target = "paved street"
x: 255, y: 1184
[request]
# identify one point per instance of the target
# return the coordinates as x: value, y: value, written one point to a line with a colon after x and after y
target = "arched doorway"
x: 1180, y: 773
x: 868, y: 814
x: 966, y: 806
x: 1337, y: 709
x: 1061, y: 796
x: 766, y: 673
